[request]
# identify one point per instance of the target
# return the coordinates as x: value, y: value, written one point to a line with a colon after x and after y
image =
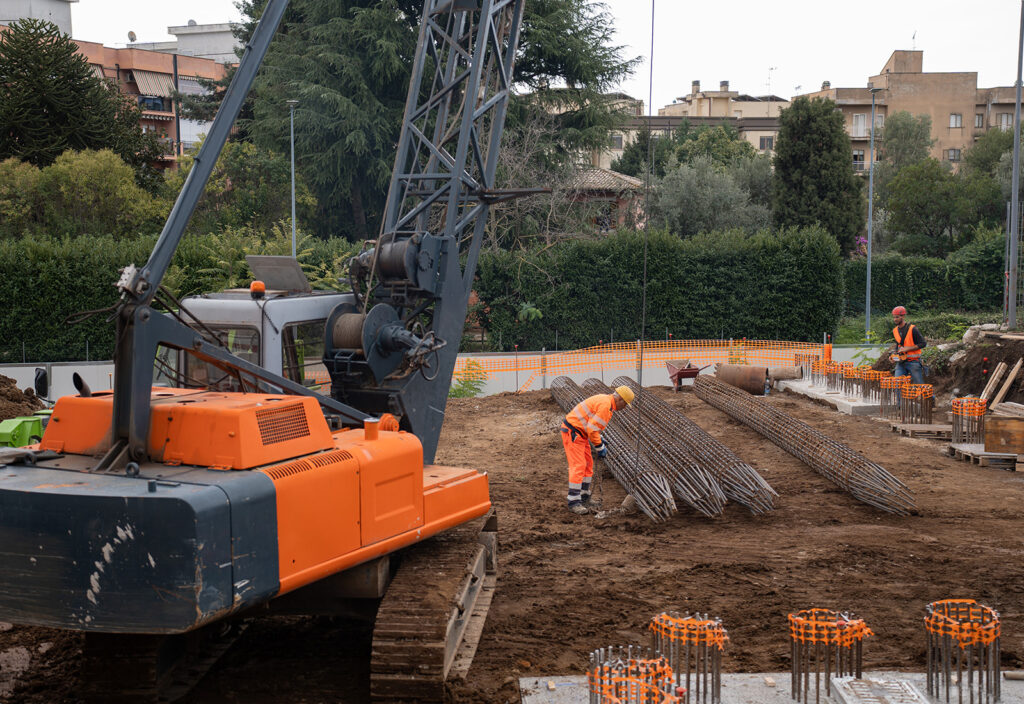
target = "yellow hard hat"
x: 625, y: 393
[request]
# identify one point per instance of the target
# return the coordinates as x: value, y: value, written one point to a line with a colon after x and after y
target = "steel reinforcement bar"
x: 739, y: 481
x: 649, y: 487
x: 865, y: 480
x: 690, y: 482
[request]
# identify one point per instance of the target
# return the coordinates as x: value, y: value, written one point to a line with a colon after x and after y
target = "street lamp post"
x: 871, y: 204
x: 291, y: 108
x: 1011, y: 303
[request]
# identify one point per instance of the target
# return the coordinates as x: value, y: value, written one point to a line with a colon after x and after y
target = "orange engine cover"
x: 200, y: 428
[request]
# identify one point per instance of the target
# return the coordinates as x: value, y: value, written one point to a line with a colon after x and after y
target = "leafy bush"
x: 470, y: 383
x: 44, y: 280
x: 771, y: 286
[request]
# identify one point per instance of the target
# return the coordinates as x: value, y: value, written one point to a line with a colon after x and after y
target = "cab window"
x: 302, y: 354
x: 243, y: 342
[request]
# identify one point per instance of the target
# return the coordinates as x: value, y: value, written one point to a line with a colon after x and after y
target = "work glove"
x: 601, y: 450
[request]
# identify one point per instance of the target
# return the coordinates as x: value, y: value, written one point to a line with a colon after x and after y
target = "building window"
x: 979, y: 121
x: 858, y: 159
x: 1005, y: 121
x: 953, y: 154
x: 956, y: 120
x: 737, y: 113
x: 148, y: 102
x: 879, y: 121
x: 767, y: 143
x: 616, y: 141
x: 860, y: 121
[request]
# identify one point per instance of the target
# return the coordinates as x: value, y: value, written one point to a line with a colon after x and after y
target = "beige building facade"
x: 960, y: 111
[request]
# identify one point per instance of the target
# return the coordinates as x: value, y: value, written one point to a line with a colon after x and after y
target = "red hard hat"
x: 899, y: 310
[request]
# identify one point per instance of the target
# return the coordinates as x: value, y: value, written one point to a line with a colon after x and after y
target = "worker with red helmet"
x: 909, y: 343
x: 582, y: 428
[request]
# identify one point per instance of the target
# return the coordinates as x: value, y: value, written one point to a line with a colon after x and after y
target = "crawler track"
x: 428, y: 609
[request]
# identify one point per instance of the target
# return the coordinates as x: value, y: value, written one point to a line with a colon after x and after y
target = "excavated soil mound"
x: 569, y: 584
x: 14, y: 402
x: 968, y: 375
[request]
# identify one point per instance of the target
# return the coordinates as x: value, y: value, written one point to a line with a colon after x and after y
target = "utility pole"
x: 871, y: 202
x: 1011, y: 304
x: 291, y: 108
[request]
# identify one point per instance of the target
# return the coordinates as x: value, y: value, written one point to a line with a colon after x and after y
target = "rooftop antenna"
x: 913, y: 41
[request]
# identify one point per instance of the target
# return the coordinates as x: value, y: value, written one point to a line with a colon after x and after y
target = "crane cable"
x: 643, y: 298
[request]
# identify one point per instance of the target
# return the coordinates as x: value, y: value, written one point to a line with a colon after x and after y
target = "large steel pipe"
x: 865, y: 480
x: 753, y: 380
x: 739, y: 481
x: 691, y: 483
x: 650, y: 488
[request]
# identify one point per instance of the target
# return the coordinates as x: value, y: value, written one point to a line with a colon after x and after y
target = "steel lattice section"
x: 739, y: 481
x: 863, y: 479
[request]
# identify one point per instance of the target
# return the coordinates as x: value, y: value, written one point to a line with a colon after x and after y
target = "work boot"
x: 592, y: 503
x: 579, y: 509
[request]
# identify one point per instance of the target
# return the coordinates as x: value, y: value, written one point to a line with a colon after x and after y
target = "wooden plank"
x: 1004, y: 434
x: 997, y: 374
x: 1009, y: 382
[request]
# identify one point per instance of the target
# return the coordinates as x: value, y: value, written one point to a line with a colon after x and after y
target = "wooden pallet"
x: 975, y: 454
x: 931, y: 431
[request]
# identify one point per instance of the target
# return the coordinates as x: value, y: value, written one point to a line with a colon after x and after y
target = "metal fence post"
x: 543, y: 368
x: 639, y: 371
x: 517, y: 366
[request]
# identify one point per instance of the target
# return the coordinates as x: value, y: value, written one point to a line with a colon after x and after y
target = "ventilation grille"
x: 282, y: 424
x: 304, y: 465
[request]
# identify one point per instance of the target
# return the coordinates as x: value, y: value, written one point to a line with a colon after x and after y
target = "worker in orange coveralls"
x: 582, y: 428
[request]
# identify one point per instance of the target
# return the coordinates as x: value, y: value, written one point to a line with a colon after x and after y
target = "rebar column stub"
x: 693, y: 646
x: 962, y: 650
x: 826, y: 643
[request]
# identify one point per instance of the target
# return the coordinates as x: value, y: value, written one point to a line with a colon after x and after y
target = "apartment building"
x: 756, y: 118
x: 56, y: 11
x: 151, y: 78
x: 206, y: 41
x: 960, y: 111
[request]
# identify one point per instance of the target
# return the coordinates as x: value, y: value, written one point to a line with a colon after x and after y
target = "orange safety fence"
x: 969, y: 407
x: 647, y: 680
x: 625, y: 356
x: 966, y: 621
x: 689, y: 630
x: 827, y: 627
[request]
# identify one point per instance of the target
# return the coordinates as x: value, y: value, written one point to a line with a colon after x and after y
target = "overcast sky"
x: 805, y: 41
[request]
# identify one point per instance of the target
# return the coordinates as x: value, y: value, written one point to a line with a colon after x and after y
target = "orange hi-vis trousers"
x: 581, y: 464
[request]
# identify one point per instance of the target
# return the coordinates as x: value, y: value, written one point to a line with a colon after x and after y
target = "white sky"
x: 806, y: 41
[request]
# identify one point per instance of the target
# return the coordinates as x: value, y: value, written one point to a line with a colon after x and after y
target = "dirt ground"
x: 570, y: 584
x: 14, y: 402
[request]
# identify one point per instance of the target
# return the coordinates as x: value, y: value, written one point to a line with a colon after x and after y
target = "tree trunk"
x: 358, y: 214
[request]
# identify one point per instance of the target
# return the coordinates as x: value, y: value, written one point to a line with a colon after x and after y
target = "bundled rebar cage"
x: 693, y: 646
x: 916, y: 403
x: 890, y: 392
x: 871, y: 385
x: 962, y: 650
x: 826, y: 643
x: 969, y: 419
x: 630, y: 675
x: 818, y: 373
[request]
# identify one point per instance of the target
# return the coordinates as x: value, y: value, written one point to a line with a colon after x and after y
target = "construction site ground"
x: 569, y: 584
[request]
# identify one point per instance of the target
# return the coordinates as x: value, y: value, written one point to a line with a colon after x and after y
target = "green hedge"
x: 43, y: 281
x: 768, y: 286
x: 969, y: 279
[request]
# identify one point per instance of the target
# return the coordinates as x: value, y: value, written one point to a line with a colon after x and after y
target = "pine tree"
x: 814, y: 179
x: 51, y: 101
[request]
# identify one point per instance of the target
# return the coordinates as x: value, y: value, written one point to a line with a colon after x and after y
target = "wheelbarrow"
x: 679, y: 369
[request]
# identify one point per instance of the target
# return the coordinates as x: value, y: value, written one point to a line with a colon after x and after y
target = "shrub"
x: 784, y: 286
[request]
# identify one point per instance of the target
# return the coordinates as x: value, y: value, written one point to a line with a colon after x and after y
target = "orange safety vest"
x: 591, y: 416
x: 907, y: 341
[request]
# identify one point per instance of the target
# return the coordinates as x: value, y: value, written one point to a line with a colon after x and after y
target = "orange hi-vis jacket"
x: 591, y: 416
x: 907, y: 341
